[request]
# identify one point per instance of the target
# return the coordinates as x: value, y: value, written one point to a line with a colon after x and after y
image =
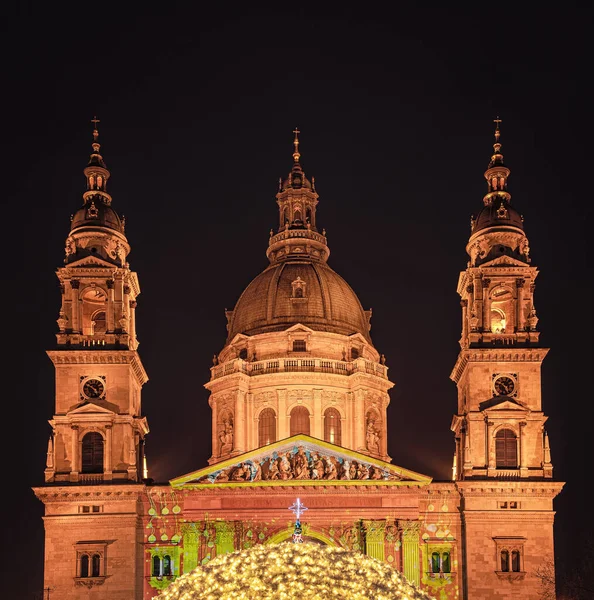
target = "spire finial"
x: 497, y: 120
x: 95, y: 120
x: 296, y: 154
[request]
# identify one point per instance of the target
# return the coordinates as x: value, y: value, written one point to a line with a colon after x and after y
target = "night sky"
x: 197, y: 108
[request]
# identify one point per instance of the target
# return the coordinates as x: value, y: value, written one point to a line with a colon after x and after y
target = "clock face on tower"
x: 93, y: 388
x: 504, y: 385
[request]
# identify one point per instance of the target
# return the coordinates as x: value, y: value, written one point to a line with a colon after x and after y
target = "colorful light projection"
x: 289, y: 571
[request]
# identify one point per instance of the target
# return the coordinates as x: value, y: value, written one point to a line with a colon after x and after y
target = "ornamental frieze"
x: 300, y: 463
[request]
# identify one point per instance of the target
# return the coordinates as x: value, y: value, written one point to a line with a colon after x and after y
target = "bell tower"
x: 499, y: 426
x: 97, y: 429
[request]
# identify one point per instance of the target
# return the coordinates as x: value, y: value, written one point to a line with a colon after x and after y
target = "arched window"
x: 98, y: 322
x: 299, y: 420
x: 267, y: 427
x: 92, y: 453
x: 157, y: 566
x: 96, y: 565
x: 332, y: 426
x: 506, y: 449
x: 505, y: 561
x: 515, y: 561
x: 167, y: 565
x: 243, y: 354
x: 445, y: 562
x: 84, y: 565
x: 308, y: 215
x: 435, y: 562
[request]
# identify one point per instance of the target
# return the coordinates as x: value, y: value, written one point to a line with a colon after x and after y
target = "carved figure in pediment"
x: 353, y: 470
x: 256, y: 471
x: 344, y: 470
x: 272, y: 473
x: 330, y: 468
x: 362, y: 471
x: 317, y: 467
x: 301, y: 470
x: 375, y: 473
x: 285, y: 468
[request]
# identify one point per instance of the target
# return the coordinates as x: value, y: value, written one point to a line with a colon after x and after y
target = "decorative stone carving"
x: 226, y: 437
x: 300, y: 464
x: 372, y: 437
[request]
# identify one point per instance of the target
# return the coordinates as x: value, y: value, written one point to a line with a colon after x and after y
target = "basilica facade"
x: 298, y: 396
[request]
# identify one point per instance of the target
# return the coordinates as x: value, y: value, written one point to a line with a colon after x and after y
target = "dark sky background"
x: 197, y: 107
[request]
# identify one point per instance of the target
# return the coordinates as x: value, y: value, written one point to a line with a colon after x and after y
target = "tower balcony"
x: 292, y: 365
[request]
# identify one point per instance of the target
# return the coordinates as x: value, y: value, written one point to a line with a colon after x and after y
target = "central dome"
x: 298, y: 291
x: 294, y: 572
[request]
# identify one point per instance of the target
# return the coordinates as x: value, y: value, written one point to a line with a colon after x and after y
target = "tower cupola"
x: 297, y: 233
x: 96, y: 228
x: 498, y: 229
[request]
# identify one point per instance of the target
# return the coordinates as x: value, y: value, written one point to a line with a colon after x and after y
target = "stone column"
x: 410, y: 550
x: 519, y: 304
x: 107, y: 467
x: 74, y: 287
x: 240, y: 425
x: 318, y: 418
x: 464, y: 305
x: 132, y: 321
x: 486, y: 316
x: 75, y: 462
x: 374, y: 538
x: 522, y: 458
x: 282, y: 418
x: 490, y: 462
x: 190, y: 538
x: 110, y: 321
x: 359, y: 398
x: 477, y: 304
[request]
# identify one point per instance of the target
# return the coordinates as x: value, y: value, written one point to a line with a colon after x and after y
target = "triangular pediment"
x: 501, y: 403
x: 504, y: 260
x: 91, y: 261
x: 300, y: 460
x: 299, y: 328
x: 91, y: 407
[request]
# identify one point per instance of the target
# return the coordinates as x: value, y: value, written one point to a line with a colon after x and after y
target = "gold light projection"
x: 290, y: 571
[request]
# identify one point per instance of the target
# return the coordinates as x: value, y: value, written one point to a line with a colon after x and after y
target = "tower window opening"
x: 299, y: 420
x: 267, y: 427
x: 243, y: 354
x: 92, y: 453
x: 354, y: 353
x: 515, y: 561
x: 299, y: 292
x: 332, y: 426
x: 84, y: 565
x: 505, y: 561
x: 167, y: 565
x: 440, y: 562
x: 506, y: 449
x: 299, y: 346
x: 95, y: 565
x: 157, y: 566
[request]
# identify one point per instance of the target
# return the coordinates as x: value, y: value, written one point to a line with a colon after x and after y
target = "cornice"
x: 101, y: 357
x: 492, y: 487
x: 509, y: 355
x: 72, y: 493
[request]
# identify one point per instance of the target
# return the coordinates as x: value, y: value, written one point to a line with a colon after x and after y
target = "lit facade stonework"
x: 299, y: 397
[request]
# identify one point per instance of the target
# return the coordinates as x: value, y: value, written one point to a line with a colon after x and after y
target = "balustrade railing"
x: 291, y: 365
